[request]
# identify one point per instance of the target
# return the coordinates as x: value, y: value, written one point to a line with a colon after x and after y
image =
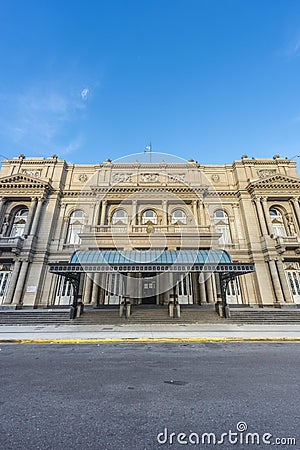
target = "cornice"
x: 274, y: 183
x: 18, y: 182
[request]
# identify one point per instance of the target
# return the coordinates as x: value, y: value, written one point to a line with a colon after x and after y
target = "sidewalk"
x: 146, y: 333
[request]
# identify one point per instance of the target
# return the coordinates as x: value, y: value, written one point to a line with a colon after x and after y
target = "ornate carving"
x: 264, y: 173
x: 215, y: 178
x: 32, y: 173
x: 149, y: 177
x: 177, y: 177
x: 83, y: 177
x: 122, y: 177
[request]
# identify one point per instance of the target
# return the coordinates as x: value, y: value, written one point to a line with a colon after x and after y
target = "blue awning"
x: 113, y: 257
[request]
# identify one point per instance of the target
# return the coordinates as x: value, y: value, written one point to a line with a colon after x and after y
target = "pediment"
x: 275, y: 182
x: 20, y: 181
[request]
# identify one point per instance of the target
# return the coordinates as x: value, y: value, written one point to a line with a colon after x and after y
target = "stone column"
x: 195, y: 211
x: 218, y: 287
x: 2, y: 210
x: 214, y: 287
x: 103, y: 212
x: 95, y: 289
x: 134, y: 212
x: 284, y: 283
x: 101, y: 293
x: 96, y: 217
x: 20, y: 283
x: 295, y: 202
x: 267, y: 214
x: 165, y: 212
x: 276, y: 282
x: 87, y: 296
x: 12, y: 283
x: 209, y: 290
x: 202, y: 288
x: 261, y: 218
x: 201, y: 213
x: 30, y: 215
x: 37, y: 217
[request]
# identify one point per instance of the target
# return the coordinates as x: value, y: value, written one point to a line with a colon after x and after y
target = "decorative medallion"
x: 215, y: 178
x: 83, y: 177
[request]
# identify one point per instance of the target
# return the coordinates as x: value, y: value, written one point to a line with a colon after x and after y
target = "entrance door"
x: 233, y: 293
x: 4, y: 283
x: 149, y: 290
x: 64, y: 293
x: 293, y: 277
x: 184, y: 289
x: 113, y: 291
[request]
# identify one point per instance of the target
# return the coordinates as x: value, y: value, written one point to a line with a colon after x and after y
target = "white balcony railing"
x: 147, y: 229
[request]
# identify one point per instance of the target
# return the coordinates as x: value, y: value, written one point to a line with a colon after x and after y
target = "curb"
x: 145, y: 340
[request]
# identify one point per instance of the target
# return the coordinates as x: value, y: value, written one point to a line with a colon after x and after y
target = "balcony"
x: 148, y: 236
x: 148, y: 228
x: 285, y: 243
x: 11, y: 244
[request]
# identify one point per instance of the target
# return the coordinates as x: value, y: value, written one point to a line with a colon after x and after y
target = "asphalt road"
x: 122, y: 396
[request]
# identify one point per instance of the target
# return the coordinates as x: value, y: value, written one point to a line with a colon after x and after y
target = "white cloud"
x: 38, y: 117
x: 293, y: 47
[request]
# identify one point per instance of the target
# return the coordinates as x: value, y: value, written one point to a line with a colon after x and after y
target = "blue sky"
x: 205, y: 79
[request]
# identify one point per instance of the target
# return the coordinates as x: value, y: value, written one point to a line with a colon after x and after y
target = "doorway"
x: 149, y: 289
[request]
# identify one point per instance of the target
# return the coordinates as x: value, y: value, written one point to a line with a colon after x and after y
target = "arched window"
x: 221, y: 223
x: 149, y: 216
x: 19, y: 222
x: 75, y: 226
x: 277, y: 222
x: 178, y: 216
x: 119, y: 217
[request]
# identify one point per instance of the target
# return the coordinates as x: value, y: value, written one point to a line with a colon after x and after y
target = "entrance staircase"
x: 35, y: 317
x: 265, y: 316
x: 148, y: 315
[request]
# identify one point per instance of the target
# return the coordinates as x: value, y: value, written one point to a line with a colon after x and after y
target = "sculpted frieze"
x: 264, y: 173
x: 32, y: 173
x: 177, y: 177
x: 122, y: 177
x: 149, y: 177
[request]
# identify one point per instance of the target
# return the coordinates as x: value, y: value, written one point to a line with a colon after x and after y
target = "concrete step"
x: 265, y: 316
x: 142, y: 315
x: 33, y: 317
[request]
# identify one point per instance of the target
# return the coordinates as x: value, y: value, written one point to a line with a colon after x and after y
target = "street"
x: 138, y: 396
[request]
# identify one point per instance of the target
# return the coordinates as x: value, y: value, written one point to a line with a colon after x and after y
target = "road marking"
x: 148, y: 339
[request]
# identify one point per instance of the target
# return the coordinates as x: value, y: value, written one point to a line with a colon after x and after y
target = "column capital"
x: 295, y: 199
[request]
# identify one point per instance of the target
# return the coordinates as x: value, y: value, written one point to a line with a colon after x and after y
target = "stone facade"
x: 49, y: 208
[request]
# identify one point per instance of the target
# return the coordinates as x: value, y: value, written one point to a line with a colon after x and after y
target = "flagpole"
x: 149, y: 149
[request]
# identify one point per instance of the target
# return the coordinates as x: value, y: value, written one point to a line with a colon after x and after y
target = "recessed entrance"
x: 149, y: 289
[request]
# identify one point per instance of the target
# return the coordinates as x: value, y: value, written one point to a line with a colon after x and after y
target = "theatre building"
x: 149, y: 232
